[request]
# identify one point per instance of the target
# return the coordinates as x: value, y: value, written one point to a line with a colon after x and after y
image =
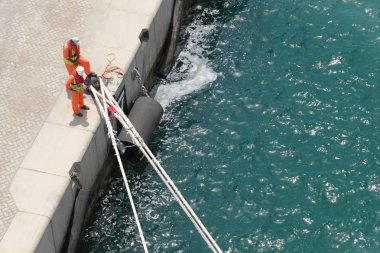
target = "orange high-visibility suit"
x: 75, y: 84
x: 72, y: 58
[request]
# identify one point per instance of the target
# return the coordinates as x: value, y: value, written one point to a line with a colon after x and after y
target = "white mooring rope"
x: 111, y: 134
x: 139, y: 142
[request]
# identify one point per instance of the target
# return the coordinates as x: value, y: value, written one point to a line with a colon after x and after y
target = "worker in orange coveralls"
x: 75, y: 83
x: 72, y: 57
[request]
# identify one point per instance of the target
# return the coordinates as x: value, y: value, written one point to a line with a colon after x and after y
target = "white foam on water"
x: 192, y: 71
x: 198, y: 76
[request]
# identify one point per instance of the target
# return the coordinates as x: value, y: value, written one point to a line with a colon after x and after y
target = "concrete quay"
x: 40, y: 138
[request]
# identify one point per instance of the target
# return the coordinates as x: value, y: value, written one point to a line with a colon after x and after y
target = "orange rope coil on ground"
x: 107, y: 73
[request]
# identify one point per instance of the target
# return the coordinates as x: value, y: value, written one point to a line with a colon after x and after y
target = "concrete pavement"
x: 40, y: 139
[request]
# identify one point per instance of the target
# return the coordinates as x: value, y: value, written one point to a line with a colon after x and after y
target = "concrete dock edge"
x: 42, y: 189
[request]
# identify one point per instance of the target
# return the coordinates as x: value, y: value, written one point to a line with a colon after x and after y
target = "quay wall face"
x: 42, y: 189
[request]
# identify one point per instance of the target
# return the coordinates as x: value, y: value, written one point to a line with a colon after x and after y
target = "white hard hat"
x: 80, y: 70
x: 75, y: 40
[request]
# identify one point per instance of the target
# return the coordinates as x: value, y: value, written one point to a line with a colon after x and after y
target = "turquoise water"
x: 270, y: 131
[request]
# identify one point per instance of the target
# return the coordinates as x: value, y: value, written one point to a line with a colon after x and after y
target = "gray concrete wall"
x: 42, y: 189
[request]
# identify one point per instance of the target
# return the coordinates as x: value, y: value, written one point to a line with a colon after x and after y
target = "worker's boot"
x: 85, y: 107
x: 79, y: 114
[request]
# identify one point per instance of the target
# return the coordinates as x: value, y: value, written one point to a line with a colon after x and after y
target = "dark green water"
x: 270, y: 131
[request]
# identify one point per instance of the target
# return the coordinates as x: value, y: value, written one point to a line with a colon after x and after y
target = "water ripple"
x: 270, y: 131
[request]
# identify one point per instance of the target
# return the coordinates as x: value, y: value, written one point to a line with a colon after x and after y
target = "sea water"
x: 270, y: 131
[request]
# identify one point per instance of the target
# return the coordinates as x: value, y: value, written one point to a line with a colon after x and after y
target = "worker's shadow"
x: 80, y: 120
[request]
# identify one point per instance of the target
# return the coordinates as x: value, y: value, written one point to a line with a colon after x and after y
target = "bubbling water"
x: 192, y: 71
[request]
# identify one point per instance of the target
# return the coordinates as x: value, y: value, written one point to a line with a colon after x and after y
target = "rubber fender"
x: 145, y: 116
